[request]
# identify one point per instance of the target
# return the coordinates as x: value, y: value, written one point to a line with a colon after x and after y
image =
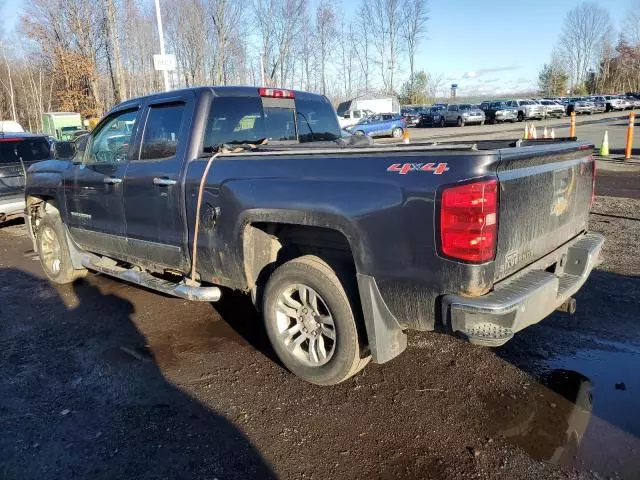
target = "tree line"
x: 591, y: 56
x: 88, y: 55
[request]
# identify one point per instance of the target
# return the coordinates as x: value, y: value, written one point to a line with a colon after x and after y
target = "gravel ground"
x: 106, y: 380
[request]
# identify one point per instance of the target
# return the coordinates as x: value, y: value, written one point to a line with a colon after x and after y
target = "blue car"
x: 384, y: 124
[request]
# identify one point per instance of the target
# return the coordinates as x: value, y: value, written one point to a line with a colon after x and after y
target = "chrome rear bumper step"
x: 180, y: 289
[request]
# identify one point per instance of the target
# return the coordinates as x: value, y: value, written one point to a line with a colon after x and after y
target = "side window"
x: 160, y: 139
x: 110, y: 144
x: 357, y: 114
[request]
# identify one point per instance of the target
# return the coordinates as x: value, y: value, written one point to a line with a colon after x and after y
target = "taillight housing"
x: 469, y: 221
x: 276, y: 93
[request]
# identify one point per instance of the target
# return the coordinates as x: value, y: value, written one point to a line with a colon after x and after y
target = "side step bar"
x: 181, y: 289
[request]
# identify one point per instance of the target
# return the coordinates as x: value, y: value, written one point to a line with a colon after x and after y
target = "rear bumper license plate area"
x: 524, y: 300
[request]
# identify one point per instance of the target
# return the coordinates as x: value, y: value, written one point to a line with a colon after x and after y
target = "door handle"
x: 112, y: 180
x: 165, y: 182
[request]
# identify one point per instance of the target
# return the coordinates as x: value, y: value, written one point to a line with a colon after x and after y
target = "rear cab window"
x: 27, y: 149
x: 252, y: 120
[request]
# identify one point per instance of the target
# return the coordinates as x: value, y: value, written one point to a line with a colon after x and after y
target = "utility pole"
x: 165, y: 74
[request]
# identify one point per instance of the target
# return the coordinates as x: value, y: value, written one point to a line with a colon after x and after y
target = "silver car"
x: 461, y: 115
x: 552, y: 108
x: 527, y: 109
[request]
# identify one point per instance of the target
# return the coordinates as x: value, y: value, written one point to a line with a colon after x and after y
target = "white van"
x: 9, y: 126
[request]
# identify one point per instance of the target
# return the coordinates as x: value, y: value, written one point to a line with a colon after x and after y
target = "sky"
x: 484, y: 46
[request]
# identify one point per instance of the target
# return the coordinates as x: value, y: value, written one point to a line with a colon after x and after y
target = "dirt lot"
x: 105, y: 380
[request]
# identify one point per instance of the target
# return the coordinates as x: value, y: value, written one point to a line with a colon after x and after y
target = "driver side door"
x: 94, y: 187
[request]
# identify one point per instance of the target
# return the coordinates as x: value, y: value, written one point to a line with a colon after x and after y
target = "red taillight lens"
x: 469, y: 221
x: 275, y: 93
x: 593, y: 183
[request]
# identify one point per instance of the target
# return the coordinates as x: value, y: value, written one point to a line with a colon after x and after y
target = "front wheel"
x: 54, y: 253
x: 520, y: 116
x: 397, y: 132
x: 311, y: 322
x: 460, y: 122
x: 443, y: 123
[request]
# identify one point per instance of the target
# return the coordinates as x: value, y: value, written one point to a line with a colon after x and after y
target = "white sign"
x: 164, y: 62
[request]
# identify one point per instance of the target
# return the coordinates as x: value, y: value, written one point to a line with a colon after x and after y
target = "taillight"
x: 593, y: 183
x: 275, y: 93
x: 469, y: 221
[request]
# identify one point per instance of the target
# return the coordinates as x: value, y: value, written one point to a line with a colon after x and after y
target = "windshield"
x: 27, y: 149
x: 237, y: 120
x: 466, y: 107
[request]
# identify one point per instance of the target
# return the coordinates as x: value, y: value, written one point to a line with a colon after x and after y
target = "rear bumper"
x: 527, y: 297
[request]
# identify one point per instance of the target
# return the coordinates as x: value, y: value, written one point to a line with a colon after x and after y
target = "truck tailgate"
x: 545, y: 197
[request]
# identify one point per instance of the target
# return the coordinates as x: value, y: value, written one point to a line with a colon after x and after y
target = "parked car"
x: 430, y: 116
x: 411, y: 116
x: 498, y: 112
x: 18, y: 151
x: 461, y: 115
x: 614, y: 103
x: 582, y: 107
x: 632, y: 102
x: 527, y: 109
x: 331, y: 241
x: 380, y: 125
x: 599, y: 103
x: 552, y: 108
x: 351, y: 117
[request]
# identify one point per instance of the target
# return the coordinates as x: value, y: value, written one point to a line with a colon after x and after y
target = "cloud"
x: 484, y: 71
x: 470, y: 75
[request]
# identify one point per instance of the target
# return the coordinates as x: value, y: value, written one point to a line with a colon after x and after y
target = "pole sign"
x: 165, y: 62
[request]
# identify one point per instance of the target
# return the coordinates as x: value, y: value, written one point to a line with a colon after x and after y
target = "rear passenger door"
x: 153, y: 192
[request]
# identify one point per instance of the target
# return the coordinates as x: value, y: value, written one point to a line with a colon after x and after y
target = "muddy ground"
x: 105, y: 380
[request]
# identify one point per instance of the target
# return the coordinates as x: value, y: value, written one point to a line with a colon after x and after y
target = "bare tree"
x: 226, y: 16
x: 384, y: 20
x: 8, y: 85
x: 416, y: 14
x: 113, y: 50
x: 585, y: 28
x: 325, y: 34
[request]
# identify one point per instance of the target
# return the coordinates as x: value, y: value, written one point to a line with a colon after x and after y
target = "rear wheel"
x: 443, y: 123
x: 54, y: 253
x: 460, y: 122
x: 397, y: 132
x: 311, y: 322
x: 520, y: 116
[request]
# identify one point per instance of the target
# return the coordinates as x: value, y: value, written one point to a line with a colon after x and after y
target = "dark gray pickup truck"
x: 343, y: 245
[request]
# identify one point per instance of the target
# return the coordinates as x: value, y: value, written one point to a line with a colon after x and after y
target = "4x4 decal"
x: 404, y: 168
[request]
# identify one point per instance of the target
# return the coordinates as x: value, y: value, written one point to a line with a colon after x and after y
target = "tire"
x: 443, y: 122
x: 342, y: 357
x: 53, y: 250
x: 460, y: 122
x: 397, y: 132
x: 520, y: 116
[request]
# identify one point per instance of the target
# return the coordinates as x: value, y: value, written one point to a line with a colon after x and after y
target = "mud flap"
x: 385, y: 336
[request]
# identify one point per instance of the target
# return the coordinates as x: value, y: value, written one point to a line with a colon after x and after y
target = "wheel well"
x: 268, y: 245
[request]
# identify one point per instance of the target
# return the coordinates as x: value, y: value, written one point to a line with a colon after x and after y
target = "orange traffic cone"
x: 553, y: 134
x: 545, y: 133
x: 405, y: 136
x: 534, y: 132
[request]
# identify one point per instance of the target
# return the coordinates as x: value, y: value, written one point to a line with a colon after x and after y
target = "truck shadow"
x: 80, y: 400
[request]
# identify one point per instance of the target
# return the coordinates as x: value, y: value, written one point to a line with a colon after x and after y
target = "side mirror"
x: 64, y: 150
